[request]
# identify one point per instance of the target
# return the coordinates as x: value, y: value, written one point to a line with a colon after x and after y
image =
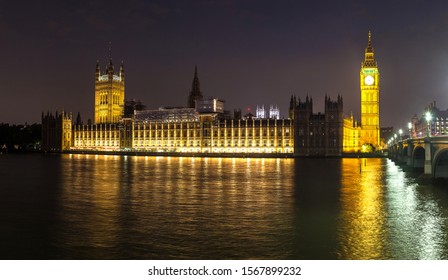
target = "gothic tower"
x: 195, y: 92
x: 109, y: 93
x: 370, y: 102
x: 292, y: 106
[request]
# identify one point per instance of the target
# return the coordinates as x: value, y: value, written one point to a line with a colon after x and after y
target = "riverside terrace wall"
x: 224, y: 155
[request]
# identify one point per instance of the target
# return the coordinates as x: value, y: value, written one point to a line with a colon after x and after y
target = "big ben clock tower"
x: 370, y: 102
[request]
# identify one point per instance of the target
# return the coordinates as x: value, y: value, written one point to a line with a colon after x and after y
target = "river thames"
x: 129, y: 207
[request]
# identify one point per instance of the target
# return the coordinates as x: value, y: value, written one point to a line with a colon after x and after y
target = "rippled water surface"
x: 126, y: 207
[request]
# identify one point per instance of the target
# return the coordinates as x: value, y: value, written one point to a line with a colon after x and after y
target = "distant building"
x: 167, y: 115
x: 56, y: 132
x: 209, y: 105
x: 237, y: 114
x: 260, y: 112
x: 386, y: 133
x: 131, y: 106
x: 438, y: 124
x: 318, y: 134
x: 274, y: 112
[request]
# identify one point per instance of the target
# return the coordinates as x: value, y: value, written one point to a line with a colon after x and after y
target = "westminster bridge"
x: 429, y: 154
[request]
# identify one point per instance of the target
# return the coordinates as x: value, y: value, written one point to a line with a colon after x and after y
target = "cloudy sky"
x: 247, y: 52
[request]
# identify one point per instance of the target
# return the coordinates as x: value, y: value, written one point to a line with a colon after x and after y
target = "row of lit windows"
x: 98, y: 134
x: 91, y: 143
x: 370, y: 97
x: 104, y: 119
x: 369, y: 109
x: 222, y: 150
x: 195, y: 133
x: 221, y: 124
x: 104, y: 98
x: 248, y: 143
x: 216, y: 130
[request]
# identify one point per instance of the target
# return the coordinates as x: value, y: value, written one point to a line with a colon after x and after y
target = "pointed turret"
x: 369, y: 56
x: 110, y: 70
x: 78, y: 119
x: 122, y: 71
x: 369, y: 43
x: 97, y: 71
x: 196, y: 86
x: 110, y: 66
x: 292, y: 106
x: 195, y: 92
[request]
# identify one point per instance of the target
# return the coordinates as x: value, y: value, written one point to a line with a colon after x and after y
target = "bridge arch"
x: 405, y: 151
x: 418, y: 157
x: 440, y: 164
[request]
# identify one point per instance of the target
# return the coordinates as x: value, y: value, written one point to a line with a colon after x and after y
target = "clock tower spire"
x: 370, y: 105
x: 369, y: 55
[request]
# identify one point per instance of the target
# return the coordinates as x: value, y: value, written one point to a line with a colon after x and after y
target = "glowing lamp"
x: 428, y: 119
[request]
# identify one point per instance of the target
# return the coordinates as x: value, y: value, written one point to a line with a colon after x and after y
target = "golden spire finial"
x: 369, y: 42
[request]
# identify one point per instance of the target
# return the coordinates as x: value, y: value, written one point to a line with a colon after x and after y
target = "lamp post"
x: 400, y: 132
x: 428, y: 119
x: 410, y: 129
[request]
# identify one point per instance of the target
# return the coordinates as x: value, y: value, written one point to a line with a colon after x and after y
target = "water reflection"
x: 150, y: 207
x: 317, y: 188
x: 112, y: 207
x: 416, y: 220
x: 362, y: 232
x: 386, y: 214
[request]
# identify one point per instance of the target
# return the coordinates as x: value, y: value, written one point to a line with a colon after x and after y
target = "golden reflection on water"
x: 385, y: 214
x: 362, y: 232
x: 179, y: 207
x: 97, y: 194
x: 231, y: 208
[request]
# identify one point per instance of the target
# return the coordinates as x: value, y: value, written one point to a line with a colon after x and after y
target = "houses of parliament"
x: 204, y: 127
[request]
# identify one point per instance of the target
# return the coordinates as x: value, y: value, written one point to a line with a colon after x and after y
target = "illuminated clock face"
x: 369, y: 80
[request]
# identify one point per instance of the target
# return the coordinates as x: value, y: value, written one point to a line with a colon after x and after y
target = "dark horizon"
x: 247, y: 54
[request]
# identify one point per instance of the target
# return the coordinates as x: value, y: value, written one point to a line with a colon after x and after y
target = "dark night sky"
x: 247, y: 52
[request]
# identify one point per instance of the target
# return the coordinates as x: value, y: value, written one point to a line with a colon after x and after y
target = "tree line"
x: 24, y: 137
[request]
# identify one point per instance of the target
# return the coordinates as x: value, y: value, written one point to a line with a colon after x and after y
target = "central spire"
x: 110, y: 52
x: 369, y: 43
x: 195, y: 92
x: 369, y: 56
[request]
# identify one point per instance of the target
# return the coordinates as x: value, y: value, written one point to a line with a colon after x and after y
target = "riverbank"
x: 225, y: 155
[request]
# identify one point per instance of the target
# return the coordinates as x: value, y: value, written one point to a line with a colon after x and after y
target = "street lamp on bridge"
x: 400, y: 132
x: 410, y: 129
x: 428, y: 119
